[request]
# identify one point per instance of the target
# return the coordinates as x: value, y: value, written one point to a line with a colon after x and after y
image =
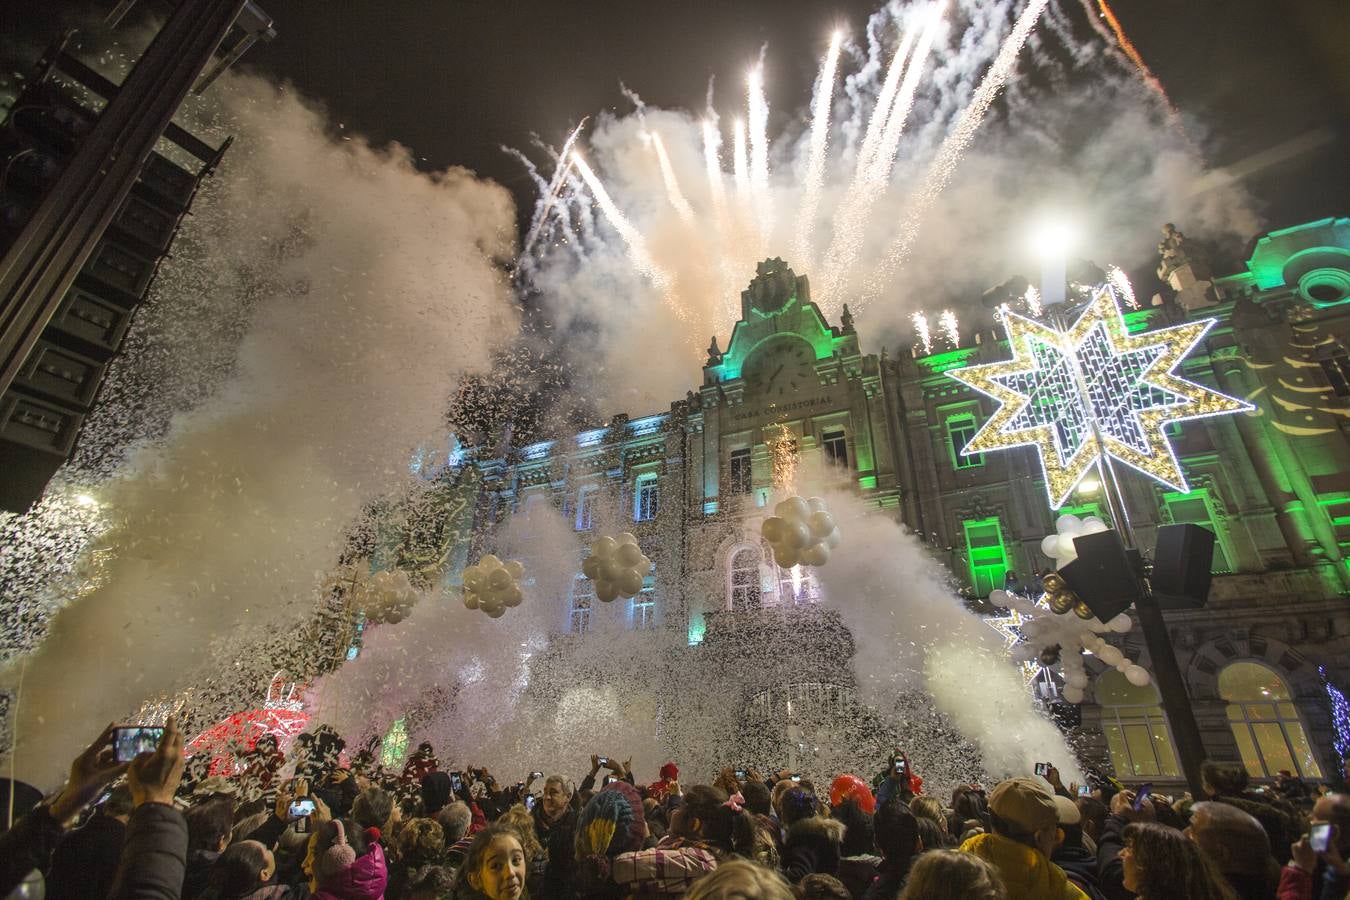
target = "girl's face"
x: 1130, y: 869
x: 501, y: 874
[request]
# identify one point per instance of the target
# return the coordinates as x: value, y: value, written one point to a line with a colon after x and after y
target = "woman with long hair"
x: 244, y: 871
x: 952, y: 875
x: 705, y: 829
x: 1161, y: 863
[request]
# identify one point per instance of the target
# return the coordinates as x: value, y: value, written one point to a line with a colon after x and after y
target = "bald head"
x: 1233, y: 839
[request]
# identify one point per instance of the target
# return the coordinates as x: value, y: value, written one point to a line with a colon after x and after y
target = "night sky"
x: 455, y: 80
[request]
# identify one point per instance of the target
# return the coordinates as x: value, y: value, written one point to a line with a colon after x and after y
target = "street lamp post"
x: 1053, y: 243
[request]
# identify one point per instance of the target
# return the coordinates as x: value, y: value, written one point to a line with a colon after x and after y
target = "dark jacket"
x: 154, y: 855
x: 812, y: 846
x: 857, y: 873
x: 85, y: 861
x: 199, y: 863
x: 437, y: 790
x: 559, y: 879
x: 1282, y: 823
x: 27, y: 846
x: 1081, y: 867
x: 890, y: 879
x: 1110, y: 870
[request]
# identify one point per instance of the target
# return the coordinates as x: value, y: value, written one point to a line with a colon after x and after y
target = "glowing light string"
x: 1128, y: 391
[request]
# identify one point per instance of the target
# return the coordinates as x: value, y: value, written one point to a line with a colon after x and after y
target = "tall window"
x: 836, y: 449
x: 1195, y: 508
x: 740, y: 471
x: 960, y: 429
x: 586, y: 507
x: 1265, y: 722
x: 798, y: 585
x: 646, y: 498
x: 1136, y: 730
x: 744, y: 584
x: 583, y: 596
x: 644, y: 609
x: 1337, y: 370
x: 988, y: 557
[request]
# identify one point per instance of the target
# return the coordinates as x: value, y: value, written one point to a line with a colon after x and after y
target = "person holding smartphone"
x: 1318, y: 866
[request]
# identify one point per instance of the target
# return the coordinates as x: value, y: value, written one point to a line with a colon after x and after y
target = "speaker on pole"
x: 1103, y: 575
x: 1181, y: 566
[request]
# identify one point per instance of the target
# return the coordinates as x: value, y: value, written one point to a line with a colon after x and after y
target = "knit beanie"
x: 610, y: 824
x: 337, y: 858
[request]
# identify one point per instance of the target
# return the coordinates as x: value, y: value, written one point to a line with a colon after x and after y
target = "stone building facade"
x: 792, y: 389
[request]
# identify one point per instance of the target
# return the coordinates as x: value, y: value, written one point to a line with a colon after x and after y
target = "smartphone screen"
x: 301, y: 808
x: 603, y: 760
x: 740, y: 774
x: 456, y: 782
x: 130, y: 741
x: 1042, y: 769
x: 1319, y: 837
x: 899, y: 767
x: 1142, y: 796
x: 796, y: 777
x: 1085, y: 790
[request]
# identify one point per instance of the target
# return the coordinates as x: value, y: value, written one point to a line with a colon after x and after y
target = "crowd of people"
x: 162, y: 826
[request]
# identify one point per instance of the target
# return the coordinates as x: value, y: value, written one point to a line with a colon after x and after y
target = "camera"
x: 602, y: 760
x: 740, y: 774
x: 130, y: 741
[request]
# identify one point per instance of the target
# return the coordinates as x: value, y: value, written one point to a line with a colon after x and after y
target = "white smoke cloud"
x: 373, y: 288
x: 1075, y: 130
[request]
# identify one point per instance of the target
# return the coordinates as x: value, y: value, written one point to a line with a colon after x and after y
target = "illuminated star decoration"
x: 1010, y: 627
x: 1127, y: 386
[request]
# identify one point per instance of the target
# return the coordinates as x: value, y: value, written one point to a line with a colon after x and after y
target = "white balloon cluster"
x: 1043, y: 630
x: 493, y: 585
x: 617, y: 566
x: 801, y: 531
x: 1059, y: 546
x: 383, y: 597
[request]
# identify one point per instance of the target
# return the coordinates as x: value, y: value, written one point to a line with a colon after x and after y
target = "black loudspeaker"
x: 1181, y: 566
x: 1103, y: 575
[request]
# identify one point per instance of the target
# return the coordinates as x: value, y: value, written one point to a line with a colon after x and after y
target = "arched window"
x: 743, y: 588
x: 1265, y: 722
x: 1135, y: 728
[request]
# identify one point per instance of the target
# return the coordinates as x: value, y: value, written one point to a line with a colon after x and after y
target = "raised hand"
x: 90, y: 772
x: 154, y: 777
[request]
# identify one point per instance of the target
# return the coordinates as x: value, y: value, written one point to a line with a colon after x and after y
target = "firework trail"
x: 740, y: 162
x: 949, y: 327
x: 885, y: 153
x: 637, y: 244
x: 1032, y: 298
x: 876, y: 126
x: 815, y: 164
x: 554, y: 187
x: 952, y: 148
x: 922, y: 331
x: 758, y: 107
x: 712, y: 145
x: 1132, y: 53
x: 677, y: 198
x: 1121, y: 282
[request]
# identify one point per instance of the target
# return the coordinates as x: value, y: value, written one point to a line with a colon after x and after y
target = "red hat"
x: 670, y: 772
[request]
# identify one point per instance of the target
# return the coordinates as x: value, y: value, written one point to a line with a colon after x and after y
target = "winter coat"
x: 437, y: 791
x: 858, y: 872
x: 812, y: 846
x: 154, y: 855
x: 890, y: 880
x: 558, y: 878
x: 271, y: 892
x: 1282, y: 823
x: 364, y: 879
x: 199, y: 863
x: 85, y: 862
x: 27, y: 846
x: 1026, y: 873
x: 666, y: 870
x: 1081, y: 867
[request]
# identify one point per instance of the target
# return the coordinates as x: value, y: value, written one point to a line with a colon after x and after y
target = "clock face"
x: 781, y: 370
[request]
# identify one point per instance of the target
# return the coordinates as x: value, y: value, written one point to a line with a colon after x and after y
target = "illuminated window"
x: 743, y: 585
x: 1195, y: 508
x: 740, y: 472
x: 1135, y: 727
x: 835, y: 447
x: 798, y: 585
x: 960, y: 429
x: 1265, y: 722
x: 583, y: 596
x: 644, y: 608
x: 586, y: 508
x: 646, y: 498
x: 988, y: 557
